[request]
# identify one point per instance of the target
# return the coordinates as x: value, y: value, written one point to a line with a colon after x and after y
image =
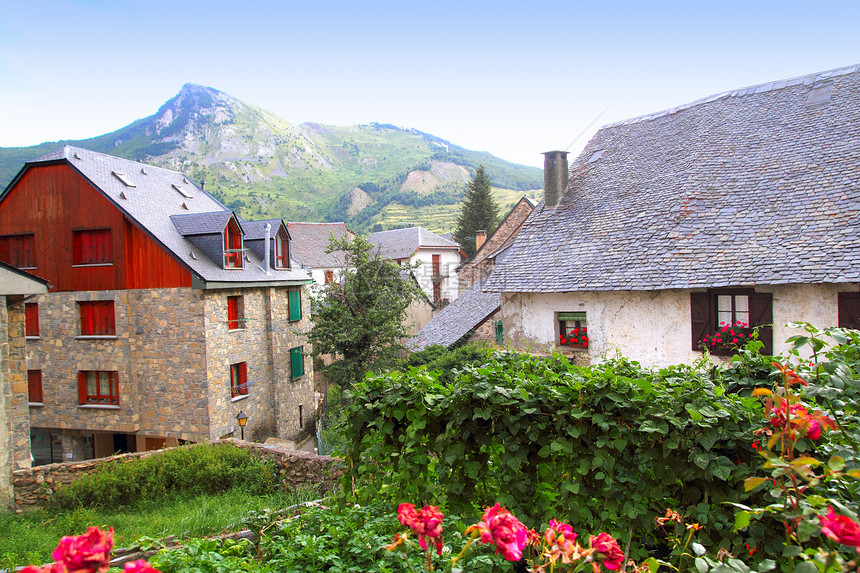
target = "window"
x: 329, y: 277
x: 31, y: 320
x: 235, y: 312
x: 297, y: 363
x: 232, y: 246
x: 91, y: 247
x: 34, y: 386
x: 239, y: 379
x: 282, y: 252
x: 295, y: 305
x: 97, y: 318
x: 98, y: 387
x: 572, y: 329
x: 738, y: 310
x: 18, y: 250
x: 849, y: 309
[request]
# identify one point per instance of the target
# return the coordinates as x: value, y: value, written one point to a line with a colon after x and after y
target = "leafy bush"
x: 448, y: 362
x: 607, y: 447
x: 187, y: 471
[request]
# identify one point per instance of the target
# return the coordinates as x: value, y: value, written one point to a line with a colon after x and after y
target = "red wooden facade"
x: 55, y: 203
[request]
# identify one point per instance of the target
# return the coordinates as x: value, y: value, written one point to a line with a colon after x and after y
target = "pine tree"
x: 478, y: 213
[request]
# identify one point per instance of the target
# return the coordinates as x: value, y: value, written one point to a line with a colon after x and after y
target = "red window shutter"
x: 77, y: 248
x: 329, y: 277
x: 700, y: 317
x: 105, y: 320
x: 761, y: 316
x: 88, y: 325
x: 437, y: 265
x: 848, y: 304
x: 232, y: 312
x: 114, y: 377
x: 82, y: 387
x: 243, y: 378
x: 34, y: 385
x: 31, y: 319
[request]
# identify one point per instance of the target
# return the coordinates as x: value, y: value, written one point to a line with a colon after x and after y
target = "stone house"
x: 167, y: 314
x: 437, y: 259
x: 16, y: 288
x: 738, y: 208
x: 309, y: 244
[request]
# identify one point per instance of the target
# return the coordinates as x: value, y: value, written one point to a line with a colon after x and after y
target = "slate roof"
x: 466, y: 312
x: 256, y: 230
x: 402, y: 243
x: 201, y: 223
x: 310, y: 240
x: 757, y: 186
x: 153, y: 196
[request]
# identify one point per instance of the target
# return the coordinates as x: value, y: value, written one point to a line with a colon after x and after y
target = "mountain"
x: 374, y: 176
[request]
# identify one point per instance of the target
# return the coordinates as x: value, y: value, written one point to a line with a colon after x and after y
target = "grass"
x: 29, y: 538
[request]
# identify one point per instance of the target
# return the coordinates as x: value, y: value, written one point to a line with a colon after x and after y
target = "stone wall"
x: 274, y: 400
x: 157, y: 352
x: 33, y: 487
x: 15, y: 390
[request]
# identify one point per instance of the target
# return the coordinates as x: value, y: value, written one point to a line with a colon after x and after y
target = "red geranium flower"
x: 86, y: 553
x: 501, y: 528
x: 840, y: 528
x: 608, y: 550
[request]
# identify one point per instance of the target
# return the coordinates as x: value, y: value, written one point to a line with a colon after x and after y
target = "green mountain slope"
x: 374, y: 176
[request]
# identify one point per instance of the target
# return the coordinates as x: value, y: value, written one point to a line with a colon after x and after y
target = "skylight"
x: 181, y: 191
x: 123, y: 178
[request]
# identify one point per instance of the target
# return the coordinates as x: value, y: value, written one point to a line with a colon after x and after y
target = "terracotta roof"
x: 310, y: 240
x: 150, y: 197
x: 756, y: 186
x: 402, y: 243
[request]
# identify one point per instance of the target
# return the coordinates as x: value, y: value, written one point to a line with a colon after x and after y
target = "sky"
x: 511, y: 78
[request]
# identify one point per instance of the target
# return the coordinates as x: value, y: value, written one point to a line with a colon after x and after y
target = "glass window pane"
x: 92, y: 384
x: 724, y: 317
x: 743, y: 318
x: 724, y: 302
x: 742, y: 303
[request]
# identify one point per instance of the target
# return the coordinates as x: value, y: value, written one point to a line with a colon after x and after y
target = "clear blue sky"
x: 511, y: 78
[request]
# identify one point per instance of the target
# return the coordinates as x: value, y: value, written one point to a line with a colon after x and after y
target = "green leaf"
x: 702, y: 565
x: 767, y: 565
x: 805, y: 567
x: 702, y: 459
x: 792, y: 551
x: 836, y: 463
x: 699, y: 549
x: 742, y: 520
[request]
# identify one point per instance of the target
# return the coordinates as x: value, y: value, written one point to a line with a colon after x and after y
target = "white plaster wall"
x: 651, y: 327
x: 449, y: 259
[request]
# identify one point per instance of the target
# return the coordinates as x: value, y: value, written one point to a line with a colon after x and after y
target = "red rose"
x: 86, y: 553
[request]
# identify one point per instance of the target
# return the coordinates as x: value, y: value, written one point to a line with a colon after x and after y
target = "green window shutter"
x: 295, y: 305
x: 297, y: 362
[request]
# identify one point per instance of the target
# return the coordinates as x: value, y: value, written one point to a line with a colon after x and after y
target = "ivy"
x: 606, y: 447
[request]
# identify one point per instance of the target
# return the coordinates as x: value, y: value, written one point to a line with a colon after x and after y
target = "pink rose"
x: 140, y: 566
x: 840, y: 528
x: 607, y: 550
x: 505, y: 531
x: 86, y: 553
x: 426, y: 523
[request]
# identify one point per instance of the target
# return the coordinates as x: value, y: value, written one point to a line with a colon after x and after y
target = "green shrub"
x: 448, y: 362
x: 186, y: 471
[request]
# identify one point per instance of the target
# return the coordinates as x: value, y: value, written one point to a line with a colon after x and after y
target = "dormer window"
x: 282, y: 251
x: 232, y: 246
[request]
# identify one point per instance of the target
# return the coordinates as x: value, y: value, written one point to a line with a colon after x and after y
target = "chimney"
x: 268, y: 248
x: 555, y: 177
x: 480, y: 237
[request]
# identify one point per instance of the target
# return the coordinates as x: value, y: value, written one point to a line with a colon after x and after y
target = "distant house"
x: 437, y: 257
x: 481, y: 264
x: 474, y: 313
x: 743, y: 207
x: 17, y: 288
x: 310, y: 241
x: 168, y: 314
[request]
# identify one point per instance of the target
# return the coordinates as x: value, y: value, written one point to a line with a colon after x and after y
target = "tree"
x: 360, y: 318
x: 478, y: 213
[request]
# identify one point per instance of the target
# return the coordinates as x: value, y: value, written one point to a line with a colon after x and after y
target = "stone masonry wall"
x: 478, y: 266
x: 33, y: 487
x: 15, y: 389
x: 158, y: 354
x: 5, y: 415
x: 273, y: 399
